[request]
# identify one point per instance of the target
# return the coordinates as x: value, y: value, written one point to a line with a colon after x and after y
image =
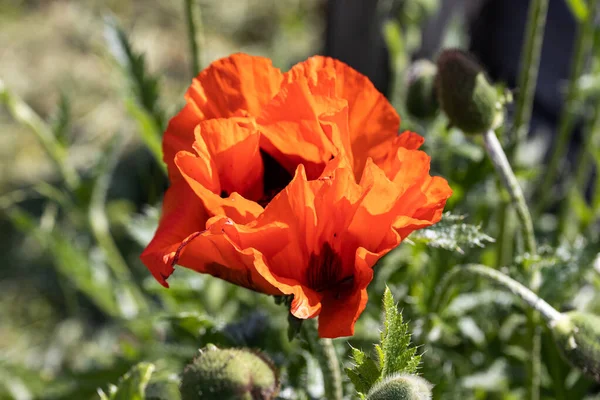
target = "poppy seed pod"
x: 228, y: 374
x: 578, y: 337
x: 465, y: 95
x: 421, y: 101
x: 401, y: 387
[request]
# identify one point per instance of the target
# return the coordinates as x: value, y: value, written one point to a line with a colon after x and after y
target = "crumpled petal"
x: 182, y: 216
x: 237, y: 85
x: 373, y: 122
x: 227, y: 170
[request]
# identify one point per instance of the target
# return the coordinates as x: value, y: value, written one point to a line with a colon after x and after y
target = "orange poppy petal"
x: 179, y: 136
x: 193, y: 169
x: 223, y: 251
x: 293, y: 131
x: 373, y: 122
x: 233, y: 145
x: 238, y: 82
x: 182, y: 215
x: 338, y: 316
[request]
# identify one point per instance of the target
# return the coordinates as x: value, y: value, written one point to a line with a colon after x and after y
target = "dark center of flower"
x: 275, y: 178
x: 326, y: 273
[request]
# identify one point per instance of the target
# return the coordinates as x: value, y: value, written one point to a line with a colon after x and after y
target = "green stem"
x: 528, y: 72
x: 324, y: 351
x: 583, y: 168
x: 192, y: 20
x: 584, y: 38
x: 534, y: 345
x: 538, y: 304
x: 505, y: 241
x: 22, y: 113
x: 100, y: 225
x: 509, y: 180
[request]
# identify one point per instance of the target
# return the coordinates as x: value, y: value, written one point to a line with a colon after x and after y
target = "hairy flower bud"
x: 467, y: 98
x: 228, y: 374
x: 578, y: 337
x: 421, y: 101
x: 401, y: 387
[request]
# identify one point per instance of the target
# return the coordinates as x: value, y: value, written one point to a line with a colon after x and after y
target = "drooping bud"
x: 227, y: 374
x: 401, y: 387
x: 421, y: 101
x: 577, y: 335
x: 465, y: 95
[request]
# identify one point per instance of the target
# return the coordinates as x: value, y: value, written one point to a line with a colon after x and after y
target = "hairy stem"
x: 509, y: 180
x: 548, y: 313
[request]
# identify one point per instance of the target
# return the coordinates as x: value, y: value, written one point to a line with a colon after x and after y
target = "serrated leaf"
x: 399, y: 356
x: 132, y: 386
x: 452, y: 234
x: 364, y: 373
x: 563, y: 269
x: 393, y: 355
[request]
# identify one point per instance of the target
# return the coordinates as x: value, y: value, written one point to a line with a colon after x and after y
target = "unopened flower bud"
x: 228, y: 374
x: 401, y: 387
x: 467, y: 98
x: 421, y: 101
x: 578, y: 337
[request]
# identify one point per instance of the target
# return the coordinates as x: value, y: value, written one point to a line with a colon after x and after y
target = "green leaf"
x: 399, y: 356
x: 452, y: 234
x: 365, y: 372
x: 143, y: 103
x: 132, y: 385
x: 61, y: 120
x: 579, y: 9
x: 394, y: 353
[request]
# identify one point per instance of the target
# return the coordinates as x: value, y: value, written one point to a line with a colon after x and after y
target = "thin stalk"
x: 192, y: 19
x: 583, y: 167
x: 548, y: 313
x: 23, y: 114
x: 585, y: 32
x: 528, y: 72
x: 324, y: 351
x: 505, y: 241
x: 534, y: 366
x: 509, y: 180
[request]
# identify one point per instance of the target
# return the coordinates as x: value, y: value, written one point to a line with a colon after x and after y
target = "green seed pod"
x: 421, y: 101
x: 228, y: 374
x: 577, y: 335
x: 401, y: 387
x: 469, y: 101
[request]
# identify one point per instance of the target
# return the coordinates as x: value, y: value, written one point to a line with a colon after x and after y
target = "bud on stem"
x: 577, y: 335
x: 401, y: 387
x: 465, y: 95
x: 228, y: 374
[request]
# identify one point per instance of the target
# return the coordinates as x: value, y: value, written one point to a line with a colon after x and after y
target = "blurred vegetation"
x: 88, y: 87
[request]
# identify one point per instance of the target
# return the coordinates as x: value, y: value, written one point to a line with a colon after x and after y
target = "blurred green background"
x: 77, y: 307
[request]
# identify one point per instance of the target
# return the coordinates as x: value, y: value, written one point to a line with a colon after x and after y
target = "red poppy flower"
x: 291, y: 184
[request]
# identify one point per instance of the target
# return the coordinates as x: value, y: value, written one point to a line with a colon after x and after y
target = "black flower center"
x: 326, y: 273
x: 275, y: 178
